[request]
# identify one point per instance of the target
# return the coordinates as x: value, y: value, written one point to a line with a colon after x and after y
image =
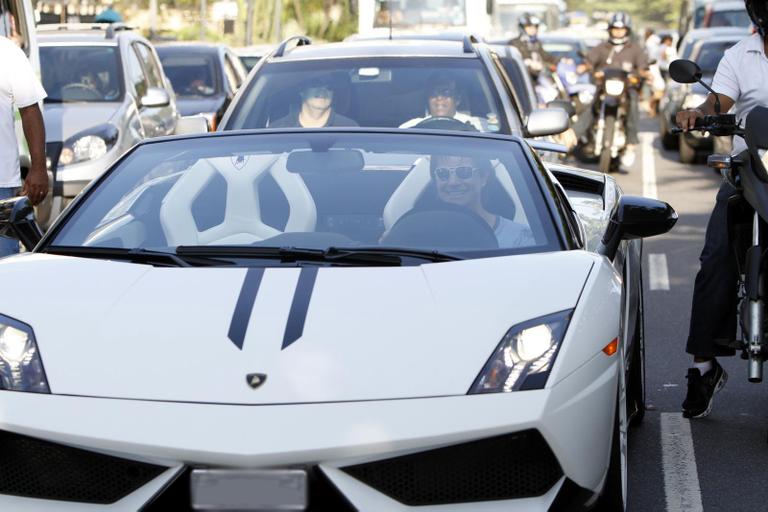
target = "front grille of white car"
x: 511, y: 466
x: 35, y: 468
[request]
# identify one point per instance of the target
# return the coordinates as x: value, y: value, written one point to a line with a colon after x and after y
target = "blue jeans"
x: 8, y: 246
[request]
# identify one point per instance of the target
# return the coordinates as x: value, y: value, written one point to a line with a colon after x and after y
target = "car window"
x: 150, y: 65
x: 81, y: 73
x: 466, y: 195
x: 192, y: 74
x: 738, y: 18
x: 232, y: 76
x: 518, y: 81
x: 710, y: 55
x: 136, y: 77
x: 374, y: 92
x: 249, y: 61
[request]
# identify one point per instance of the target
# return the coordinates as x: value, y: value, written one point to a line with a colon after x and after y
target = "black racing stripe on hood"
x: 301, y: 298
x: 244, y: 306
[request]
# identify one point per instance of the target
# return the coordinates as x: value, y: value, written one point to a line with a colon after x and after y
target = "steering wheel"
x: 79, y: 92
x: 445, y: 123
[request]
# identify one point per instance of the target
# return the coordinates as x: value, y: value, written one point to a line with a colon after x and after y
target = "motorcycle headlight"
x: 614, y: 87
x: 693, y: 100
x: 89, y: 145
x: 21, y: 368
x: 524, y: 357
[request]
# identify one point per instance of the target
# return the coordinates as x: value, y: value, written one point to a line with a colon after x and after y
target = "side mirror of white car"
x: 547, y: 121
x: 636, y: 217
x: 155, y: 98
x: 192, y: 125
x: 17, y: 221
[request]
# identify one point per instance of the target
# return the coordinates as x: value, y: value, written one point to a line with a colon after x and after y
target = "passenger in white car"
x: 460, y: 180
x: 443, y: 101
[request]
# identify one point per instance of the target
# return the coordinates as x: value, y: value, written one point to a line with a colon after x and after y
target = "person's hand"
x: 686, y: 119
x: 35, y: 185
x: 599, y: 75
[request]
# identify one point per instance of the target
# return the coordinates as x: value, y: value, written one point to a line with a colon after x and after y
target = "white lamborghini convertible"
x: 329, y: 320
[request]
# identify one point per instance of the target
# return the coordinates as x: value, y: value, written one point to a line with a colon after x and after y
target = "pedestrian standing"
x: 20, y: 88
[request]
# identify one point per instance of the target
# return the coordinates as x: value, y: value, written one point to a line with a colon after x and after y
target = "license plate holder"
x: 252, y: 490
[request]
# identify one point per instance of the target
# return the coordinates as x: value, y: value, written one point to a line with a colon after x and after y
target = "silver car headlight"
x: 525, y: 356
x: 89, y: 145
x: 21, y: 368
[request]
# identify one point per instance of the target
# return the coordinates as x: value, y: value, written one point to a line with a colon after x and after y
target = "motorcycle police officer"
x: 534, y: 55
x: 740, y: 83
x: 619, y: 52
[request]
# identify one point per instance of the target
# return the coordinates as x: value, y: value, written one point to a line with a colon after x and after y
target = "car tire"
x: 687, y: 152
x: 614, y: 495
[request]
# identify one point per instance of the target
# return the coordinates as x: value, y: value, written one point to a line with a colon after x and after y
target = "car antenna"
x: 389, y: 15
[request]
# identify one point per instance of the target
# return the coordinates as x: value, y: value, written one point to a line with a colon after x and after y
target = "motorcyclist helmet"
x: 758, y: 13
x: 618, y: 21
x: 528, y: 20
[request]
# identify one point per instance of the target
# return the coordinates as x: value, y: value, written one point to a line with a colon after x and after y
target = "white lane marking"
x: 649, y: 165
x: 681, y: 478
x: 657, y: 272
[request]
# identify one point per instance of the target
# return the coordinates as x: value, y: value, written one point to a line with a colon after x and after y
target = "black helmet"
x: 527, y: 20
x: 620, y: 20
x: 758, y: 12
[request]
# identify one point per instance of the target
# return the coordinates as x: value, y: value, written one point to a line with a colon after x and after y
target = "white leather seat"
x: 242, y: 214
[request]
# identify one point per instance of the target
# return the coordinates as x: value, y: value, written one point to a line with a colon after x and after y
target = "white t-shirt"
x: 19, y: 87
x: 742, y: 75
x: 464, y: 118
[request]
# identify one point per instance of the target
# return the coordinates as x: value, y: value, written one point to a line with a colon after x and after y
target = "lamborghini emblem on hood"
x: 255, y: 380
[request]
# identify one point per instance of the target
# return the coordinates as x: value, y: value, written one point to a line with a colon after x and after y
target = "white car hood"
x: 122, y: 330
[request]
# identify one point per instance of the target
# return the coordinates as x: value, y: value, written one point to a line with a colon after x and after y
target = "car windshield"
x: 192, y: 74
x: 81, y: 73
x: 464, y: 196
x: 414, y: 92
x: 710, y: 55
x: 735, y: 18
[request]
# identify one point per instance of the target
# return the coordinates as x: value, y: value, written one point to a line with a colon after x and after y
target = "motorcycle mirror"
x: 685, y: 71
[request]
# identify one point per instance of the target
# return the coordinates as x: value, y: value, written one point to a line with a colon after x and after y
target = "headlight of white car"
x: 89, y: 145
x: 524, y: 357
x: 614, y: 87
x: 21, y: 368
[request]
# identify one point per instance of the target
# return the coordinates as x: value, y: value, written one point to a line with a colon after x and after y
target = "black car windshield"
x: 81, y: 73
x: 458, y: 195
x: 387, y: 92
x: 193, y: 74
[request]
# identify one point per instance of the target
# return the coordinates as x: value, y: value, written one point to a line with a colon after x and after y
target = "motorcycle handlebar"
x: 722, y: 124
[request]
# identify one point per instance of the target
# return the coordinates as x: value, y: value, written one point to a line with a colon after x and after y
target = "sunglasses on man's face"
x: 463, y: 172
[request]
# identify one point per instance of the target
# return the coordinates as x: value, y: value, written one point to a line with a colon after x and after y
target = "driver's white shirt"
x: 464, y: 118
x: 18, y: 87
x: 742, y: 75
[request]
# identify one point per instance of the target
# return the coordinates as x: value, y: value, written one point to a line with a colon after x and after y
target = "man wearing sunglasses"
x: 316, y: 108
x: 443, y: 101
x: 460, y: 180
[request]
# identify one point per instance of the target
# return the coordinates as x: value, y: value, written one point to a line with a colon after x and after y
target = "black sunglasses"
x: 463, y: 172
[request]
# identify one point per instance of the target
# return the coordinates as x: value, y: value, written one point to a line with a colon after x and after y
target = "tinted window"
x: 515, y: 75
x: 193, y: 74
x: 730, y: 19
x: 710, y: 55
x: 375, y: 92
x: 467, y: 195
x: 81, y: 73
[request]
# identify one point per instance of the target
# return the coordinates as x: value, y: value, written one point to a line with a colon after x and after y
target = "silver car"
x: 106, y: 92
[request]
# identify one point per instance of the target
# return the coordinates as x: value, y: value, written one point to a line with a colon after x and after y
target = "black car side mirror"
x: 17, y: 220
x: 685, y: 71
x: 636, y: 217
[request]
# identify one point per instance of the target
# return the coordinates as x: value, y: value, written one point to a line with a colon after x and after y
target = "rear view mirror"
x: 685, y: 71
x: 636, y: 217
x: 17, y: 220
x: 547, y: 121
x: 155, y: 98
x: 191, y: 125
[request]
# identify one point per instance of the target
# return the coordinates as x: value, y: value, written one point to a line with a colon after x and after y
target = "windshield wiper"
x: 349, y: 255
x: 145, y: 256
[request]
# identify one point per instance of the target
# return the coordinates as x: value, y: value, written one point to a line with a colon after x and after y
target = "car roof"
x: 84, y: 33
x: 376, y: 48
x: 699, y: 33
x: 728, y: 6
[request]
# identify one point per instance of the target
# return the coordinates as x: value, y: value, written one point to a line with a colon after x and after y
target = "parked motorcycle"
x: 747, y: 217
x: 607, y: 139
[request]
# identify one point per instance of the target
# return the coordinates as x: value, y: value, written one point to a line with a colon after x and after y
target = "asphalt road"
x: 716, y: 463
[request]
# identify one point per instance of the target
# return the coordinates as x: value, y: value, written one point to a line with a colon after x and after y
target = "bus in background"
x: 423, y: 16
x: 506, y: 13
x: 17, y: 23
